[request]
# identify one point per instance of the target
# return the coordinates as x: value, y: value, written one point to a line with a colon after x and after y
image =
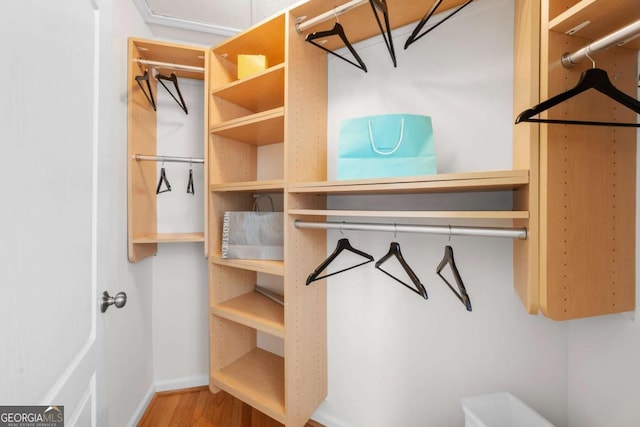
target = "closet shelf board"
x: 605, y: 23
x: 262, y: 128
x: 255, y: 311
x: 170, y: 238
x: 360, y: 24
x: 268, y: 85
x: 265, y: 38
x: 267, y: 186
x: 173, y: 54
x: 257, y: 378
x: 262, y: 266
x: 415, y: 214
x: 457, y: 182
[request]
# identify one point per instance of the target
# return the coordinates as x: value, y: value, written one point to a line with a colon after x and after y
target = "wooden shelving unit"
x: 245, y: 115
x: 580, y: 258
x: 142, y: 135
x: 267, y: 109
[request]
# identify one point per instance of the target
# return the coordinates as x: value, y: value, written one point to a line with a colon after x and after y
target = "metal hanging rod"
x: 446, y: 230
x: 331, y: 14
x: 172, y: 66
x: 140, y: 157
x: 617, y: 38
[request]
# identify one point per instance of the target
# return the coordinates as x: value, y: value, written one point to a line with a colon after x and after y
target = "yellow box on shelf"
x: 248, y: 65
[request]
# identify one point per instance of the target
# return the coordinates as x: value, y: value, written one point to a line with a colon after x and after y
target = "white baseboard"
x: 180, y: 383
x: 326, y: 419
x: 142, y: 407
x: 166, y: 385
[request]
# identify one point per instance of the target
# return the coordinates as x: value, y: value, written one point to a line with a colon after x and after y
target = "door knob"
x: 120, y: 299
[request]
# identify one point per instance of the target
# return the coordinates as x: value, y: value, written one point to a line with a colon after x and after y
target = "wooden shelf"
x: 268, y: 186
x: 360, y: 21
x: 257, y: 378
x: 172, y: 54
x: 262, y: 266
x: 415, y: 214
x: 255, y: 311
x: 459, y: 182
x: 261, y: 92
x: 170, y: 238
x: 611, y: 16
x: 265, y: 38
x: 262, y: 128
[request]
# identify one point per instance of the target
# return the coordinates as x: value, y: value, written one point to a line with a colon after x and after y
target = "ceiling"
x: 205, y: 21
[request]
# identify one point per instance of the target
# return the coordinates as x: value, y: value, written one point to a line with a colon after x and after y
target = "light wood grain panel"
x: 171, y: 53
x: 141, y: 176
x: 229, y: 342
x: 272, y: 185
x: 360, y: 23
x: 263, y: 266
x: 265, y: 38
x: 254, y: 310
x: 170, y: 238
x: 261, y: 92
x: 262, y: 128
x: 471, y: 181
x: 258, y: 379
x: 589, y: 193
x: 526, y: 153
x: 603, y: 16
x: 305, y: 160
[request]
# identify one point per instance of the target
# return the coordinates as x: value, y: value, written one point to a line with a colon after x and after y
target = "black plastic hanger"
x: 190, y: 189
x: 414, y: 35
x: 448, y: 259
x: 173, y: 78
x: 386, y: 34
x: 337, y: 30
x: 149, y: 94
x: 343, y: 245
x: 394, y: 250
x: 163, y: 179
x: 593, y: 78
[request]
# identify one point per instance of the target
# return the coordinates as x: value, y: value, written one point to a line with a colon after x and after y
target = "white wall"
x: 395, y: 359
x: 129, y: 330
x: 180, y: 285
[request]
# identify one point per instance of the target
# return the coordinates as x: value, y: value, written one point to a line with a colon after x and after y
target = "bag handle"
x: 373, y: 145
x: 256, y: 207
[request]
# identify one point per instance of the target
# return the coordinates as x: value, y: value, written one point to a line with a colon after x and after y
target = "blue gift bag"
x: 387, y: 145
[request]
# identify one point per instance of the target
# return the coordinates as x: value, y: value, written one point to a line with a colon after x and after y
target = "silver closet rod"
x: 178, y: 67
x: 617, y: 38
x: 332, y: 14
x: 447, y: 230
x: 140, y: 157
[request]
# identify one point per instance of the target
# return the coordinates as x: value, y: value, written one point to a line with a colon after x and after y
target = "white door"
x: 50, y: 322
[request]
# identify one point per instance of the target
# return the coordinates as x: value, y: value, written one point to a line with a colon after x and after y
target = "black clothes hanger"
x: 190, y: 189
x: 394, y: 250
x: 448, y: 259
x: 414, y: 35
x: 149, y: 95
x: 337, y: 30
x: 593, y: 78
x: 343, y: 245
x: 386, y: 34
x: 173, y: 78
x: 163, y: 179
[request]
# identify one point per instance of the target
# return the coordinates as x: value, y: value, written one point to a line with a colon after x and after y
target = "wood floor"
x: 198, y: 407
